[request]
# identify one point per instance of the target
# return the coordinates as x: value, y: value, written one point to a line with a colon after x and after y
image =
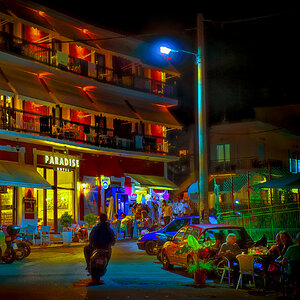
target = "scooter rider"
x: 101, y: 237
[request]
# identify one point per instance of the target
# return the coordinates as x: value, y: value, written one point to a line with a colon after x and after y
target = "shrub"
x: 90, y: 219
x: 66, y: 220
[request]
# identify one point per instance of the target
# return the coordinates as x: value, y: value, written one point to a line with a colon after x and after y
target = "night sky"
x: 250, y: 50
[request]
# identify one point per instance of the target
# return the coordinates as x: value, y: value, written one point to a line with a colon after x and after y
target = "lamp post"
x: 201, y: 155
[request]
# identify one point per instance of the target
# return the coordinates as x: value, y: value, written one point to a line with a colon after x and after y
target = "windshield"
x: 176, y: 225
x: 243, y: 239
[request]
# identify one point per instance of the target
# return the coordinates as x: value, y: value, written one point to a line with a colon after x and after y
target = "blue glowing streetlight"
x: 201, y: 165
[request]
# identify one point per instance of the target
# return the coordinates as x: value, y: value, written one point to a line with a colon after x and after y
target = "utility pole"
x: 201, y: 139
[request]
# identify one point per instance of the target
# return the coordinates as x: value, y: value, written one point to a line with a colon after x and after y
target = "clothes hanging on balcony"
x: 138, y: 142
x: 92, y: 70
x: 62, y: 58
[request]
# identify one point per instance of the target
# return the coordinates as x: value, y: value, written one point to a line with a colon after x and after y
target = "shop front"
x: 18, y: 181
x: 61, y: 171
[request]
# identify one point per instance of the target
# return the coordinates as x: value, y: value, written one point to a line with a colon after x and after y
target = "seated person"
x: 81, y: 234
x: 219, y: 240
x: 292, y: 255
x: 276, y: 250
x: 287, y: 241
x: 230, y: 249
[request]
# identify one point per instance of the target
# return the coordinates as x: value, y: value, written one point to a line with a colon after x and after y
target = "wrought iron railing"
x: 68, y: 63
x: 47, y: 125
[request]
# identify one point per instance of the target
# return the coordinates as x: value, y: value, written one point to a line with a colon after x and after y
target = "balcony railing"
x: 68, y: 63
x: 43, y: 125
x: 249, y: 163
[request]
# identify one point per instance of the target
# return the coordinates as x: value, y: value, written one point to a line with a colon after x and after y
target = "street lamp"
x: 201, y: 163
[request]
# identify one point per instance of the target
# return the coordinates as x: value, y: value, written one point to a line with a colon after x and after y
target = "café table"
x: 267, y: 277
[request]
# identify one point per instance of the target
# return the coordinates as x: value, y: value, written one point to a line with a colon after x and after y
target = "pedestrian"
x: 186, y: 209
x: 175, y: 209
x: 115, y: 224
x: 166, y: 211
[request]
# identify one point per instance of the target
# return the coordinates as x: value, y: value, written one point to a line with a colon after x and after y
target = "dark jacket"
x: 102, y: 236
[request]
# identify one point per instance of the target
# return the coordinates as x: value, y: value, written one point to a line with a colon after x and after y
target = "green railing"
x: 268, y: 220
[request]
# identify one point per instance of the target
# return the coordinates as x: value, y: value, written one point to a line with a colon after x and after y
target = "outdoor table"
x: 267, y: 276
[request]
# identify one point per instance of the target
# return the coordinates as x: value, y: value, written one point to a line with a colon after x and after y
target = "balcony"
x: 48, y: 125
x: 57, y: 59
x: 234, y: 165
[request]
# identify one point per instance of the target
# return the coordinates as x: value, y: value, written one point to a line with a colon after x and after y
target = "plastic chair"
x: 31, y: 233
x: 45, y: 235
x: 246, y: 264
x: 224, y: 266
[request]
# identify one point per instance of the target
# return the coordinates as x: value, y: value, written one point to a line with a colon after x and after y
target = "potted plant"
x: 66, y: 221
x: 90, y: 220
x: 198, y: 267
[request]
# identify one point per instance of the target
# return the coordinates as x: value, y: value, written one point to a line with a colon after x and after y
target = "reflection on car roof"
x: 205, y: 226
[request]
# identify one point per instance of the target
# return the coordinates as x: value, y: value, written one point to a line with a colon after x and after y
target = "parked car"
x: 152, y: 239
x: 203, y: 233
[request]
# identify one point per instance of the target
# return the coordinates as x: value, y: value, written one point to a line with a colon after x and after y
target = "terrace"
x: 121, y: 75
x: 81, y: 127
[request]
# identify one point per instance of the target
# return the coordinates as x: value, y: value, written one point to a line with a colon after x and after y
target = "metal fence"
x: 260, y: 211
x: 268, y: 220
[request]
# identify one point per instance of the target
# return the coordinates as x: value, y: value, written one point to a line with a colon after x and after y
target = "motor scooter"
x: 20, y: 244
x: 7, y: 253
x: 98, y: 264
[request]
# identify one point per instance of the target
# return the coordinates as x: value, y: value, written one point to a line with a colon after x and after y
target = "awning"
x: 155, y: 182
x: 286, y: 182
x: 21, y: 175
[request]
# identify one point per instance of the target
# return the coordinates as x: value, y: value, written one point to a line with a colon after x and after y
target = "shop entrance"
x: 7, y: 199
x: 51, y: 204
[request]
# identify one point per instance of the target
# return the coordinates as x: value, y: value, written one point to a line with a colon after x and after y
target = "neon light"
x: 61, y: 161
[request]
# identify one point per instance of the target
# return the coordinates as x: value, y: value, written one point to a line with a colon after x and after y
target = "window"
x: 243, y: 239
x: 223, y: 153
x: 187, y: 233
x: 196, y: 220
x: 196, y: 232
x: 179, y: 234
x: 177, y: 224
x: 294, y: 162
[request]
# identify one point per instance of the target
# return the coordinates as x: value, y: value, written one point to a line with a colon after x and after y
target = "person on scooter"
x: 101, y: 237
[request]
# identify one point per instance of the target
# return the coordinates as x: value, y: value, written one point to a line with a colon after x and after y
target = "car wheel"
x: 149, y: 246
x: 165, y: 261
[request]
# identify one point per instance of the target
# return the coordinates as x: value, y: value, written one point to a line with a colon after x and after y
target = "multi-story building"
x: 82, y: 119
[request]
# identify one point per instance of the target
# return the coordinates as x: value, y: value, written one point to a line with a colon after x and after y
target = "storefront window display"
x: 51, y: 204
x: 6, y: 205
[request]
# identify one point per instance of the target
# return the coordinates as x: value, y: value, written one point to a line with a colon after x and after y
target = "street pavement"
x: 59, y: 273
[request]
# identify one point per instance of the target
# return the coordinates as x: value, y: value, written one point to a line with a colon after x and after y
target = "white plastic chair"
x: 246, y: 264
x: 224, y: 266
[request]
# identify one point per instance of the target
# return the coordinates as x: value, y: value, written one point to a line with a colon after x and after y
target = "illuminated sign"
x: 105, y: 182
x: 62, y: 163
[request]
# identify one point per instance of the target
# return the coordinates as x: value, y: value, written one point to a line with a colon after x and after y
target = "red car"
x: 203, y: 233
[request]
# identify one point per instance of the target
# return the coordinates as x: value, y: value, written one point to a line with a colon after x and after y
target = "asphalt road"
x: 59, y: 273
